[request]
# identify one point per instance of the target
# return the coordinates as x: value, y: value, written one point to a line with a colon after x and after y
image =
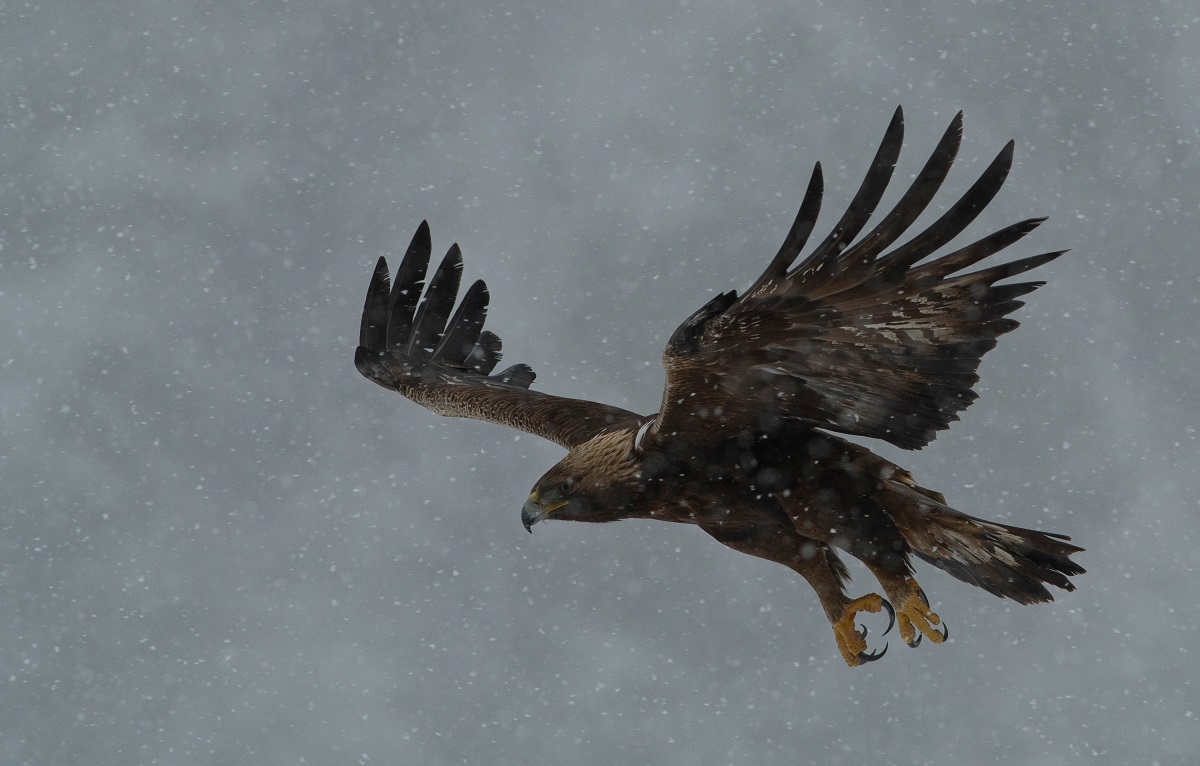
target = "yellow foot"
x: 852, y: 641
x: 915, y: 615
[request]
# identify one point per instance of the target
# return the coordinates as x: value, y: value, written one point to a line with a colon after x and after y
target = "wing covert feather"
x: 856, y: 338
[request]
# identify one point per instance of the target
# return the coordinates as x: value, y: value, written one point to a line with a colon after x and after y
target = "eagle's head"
x: 600, y: 480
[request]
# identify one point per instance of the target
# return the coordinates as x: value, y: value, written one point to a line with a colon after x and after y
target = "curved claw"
x: 891, y: 617
x: 921, y: 593
x: 851, y: 636
x: 945, y: 635
x: 916, y: 619
x: 864, y: 657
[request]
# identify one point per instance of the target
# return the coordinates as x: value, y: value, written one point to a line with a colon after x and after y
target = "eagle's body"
x: 854, y: 339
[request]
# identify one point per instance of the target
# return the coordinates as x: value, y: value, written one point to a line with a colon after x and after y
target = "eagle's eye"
x: 567, y: 487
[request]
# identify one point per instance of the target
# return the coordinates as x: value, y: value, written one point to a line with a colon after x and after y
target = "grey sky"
x: 219, y: 544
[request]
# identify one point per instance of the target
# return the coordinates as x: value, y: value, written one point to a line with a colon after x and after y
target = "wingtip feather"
x: 372, y: 329
x: 404, y: 324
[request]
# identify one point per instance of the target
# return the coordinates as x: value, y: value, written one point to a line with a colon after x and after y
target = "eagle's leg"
x: 912, y: 608
x: 820, y: 566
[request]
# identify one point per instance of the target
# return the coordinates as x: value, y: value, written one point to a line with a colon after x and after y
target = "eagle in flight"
x: 863, y: 337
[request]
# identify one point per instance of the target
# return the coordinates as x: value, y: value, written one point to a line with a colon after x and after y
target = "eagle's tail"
x: 1010, y: 562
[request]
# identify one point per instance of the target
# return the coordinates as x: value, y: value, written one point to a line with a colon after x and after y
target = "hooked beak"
x: 533, y: 511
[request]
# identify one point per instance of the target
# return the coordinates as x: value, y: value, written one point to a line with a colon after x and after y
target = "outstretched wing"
x: 858, y: 338
x: 444, y: 362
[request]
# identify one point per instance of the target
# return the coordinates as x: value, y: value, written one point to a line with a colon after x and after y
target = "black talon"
x: 945, y: 631
x: 921, y: 593
x: 864, y: 658
x: 915, y: 642
x: 891, y: 616
x: 862, y: 631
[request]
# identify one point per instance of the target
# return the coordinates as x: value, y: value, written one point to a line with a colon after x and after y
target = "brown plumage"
x: 862, y: 338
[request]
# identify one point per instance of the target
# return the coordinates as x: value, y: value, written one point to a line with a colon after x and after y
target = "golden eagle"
x: 861, y: 338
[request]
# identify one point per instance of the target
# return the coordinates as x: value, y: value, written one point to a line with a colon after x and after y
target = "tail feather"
x: 1009, y: 562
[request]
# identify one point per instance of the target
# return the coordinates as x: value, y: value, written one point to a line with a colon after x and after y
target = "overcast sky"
x: 219, y: 544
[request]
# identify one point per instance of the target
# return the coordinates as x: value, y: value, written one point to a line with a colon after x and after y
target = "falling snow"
x: 219, y: 544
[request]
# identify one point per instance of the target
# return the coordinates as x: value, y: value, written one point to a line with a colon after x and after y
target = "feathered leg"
x: 818, y: 564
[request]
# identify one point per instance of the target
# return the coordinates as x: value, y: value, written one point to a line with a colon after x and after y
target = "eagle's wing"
x: 444, y: 362
x: 858, y: 338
